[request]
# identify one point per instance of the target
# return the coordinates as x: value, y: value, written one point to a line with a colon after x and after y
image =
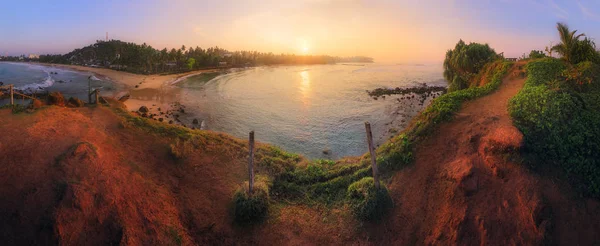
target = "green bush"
x: 367, y: 202
x: 583, y: 77
x: 560, y: 125
x: 464, y: 62
x: 251, y: 208
x: 536, y: 54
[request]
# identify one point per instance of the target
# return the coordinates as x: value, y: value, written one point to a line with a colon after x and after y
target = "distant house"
x: 118, y: 66
x: 511, y: 59
x: 171, y: 64
x: 222, y: 64
x: 227, y: 55
x: 33, y: 56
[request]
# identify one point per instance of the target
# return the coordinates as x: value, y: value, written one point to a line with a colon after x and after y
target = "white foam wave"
x: 48, y: 81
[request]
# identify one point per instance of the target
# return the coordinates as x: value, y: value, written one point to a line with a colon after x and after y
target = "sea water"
x: 318, y: 111
x: 39, y: 78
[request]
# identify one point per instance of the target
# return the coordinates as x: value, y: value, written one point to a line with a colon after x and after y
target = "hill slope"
x: 466, y: 187
x: 98, y: 175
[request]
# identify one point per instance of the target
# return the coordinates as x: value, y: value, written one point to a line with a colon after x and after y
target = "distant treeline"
x: 145, y: 59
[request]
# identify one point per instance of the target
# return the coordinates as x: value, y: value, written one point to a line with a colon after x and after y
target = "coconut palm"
x: 568, y: 42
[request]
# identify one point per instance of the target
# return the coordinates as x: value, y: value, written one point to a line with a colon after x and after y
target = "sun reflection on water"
x: 305, y: 88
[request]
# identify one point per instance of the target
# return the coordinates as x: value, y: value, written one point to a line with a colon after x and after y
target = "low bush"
x: 251, y: 208
x: 367, y: 202
x: 56, y: 98
x: 560, y: 121
x: 181, y: 148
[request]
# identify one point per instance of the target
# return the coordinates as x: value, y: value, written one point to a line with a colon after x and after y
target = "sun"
x: 305, y: 49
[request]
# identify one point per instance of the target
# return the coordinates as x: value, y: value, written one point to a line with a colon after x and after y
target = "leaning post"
x: 372, y: 152
x: 251, y: 162
x: 90, y: 89
x: 12, y: 100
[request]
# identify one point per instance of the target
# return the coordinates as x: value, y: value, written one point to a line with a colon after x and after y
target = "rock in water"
x: 143, y: 109
x: 195, y: 121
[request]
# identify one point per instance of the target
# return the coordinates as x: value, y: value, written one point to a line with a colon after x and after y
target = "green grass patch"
x: 251, y: 208
x: 367, y: 202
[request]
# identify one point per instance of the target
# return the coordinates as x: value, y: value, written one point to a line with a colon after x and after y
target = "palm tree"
x: 568, y: 42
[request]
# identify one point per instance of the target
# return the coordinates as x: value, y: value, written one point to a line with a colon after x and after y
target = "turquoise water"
x: 307, y: 109
x: 38, y: 78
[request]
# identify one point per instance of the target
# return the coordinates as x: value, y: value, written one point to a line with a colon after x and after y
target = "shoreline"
x: 130, y: 80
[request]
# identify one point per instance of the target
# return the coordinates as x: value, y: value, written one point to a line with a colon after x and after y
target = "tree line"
x: 145, y: 59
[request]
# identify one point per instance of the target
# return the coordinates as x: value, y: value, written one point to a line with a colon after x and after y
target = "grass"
x: 293, y: 179
x: 251, y: 208
x: 560, y: 120
x: 16, y: 108
x: 367, y: 202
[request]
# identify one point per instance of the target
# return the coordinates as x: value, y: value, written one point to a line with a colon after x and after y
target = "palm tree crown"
x: 568, y: 41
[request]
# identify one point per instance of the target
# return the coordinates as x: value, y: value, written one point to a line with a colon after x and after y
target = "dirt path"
x: 463, y: 190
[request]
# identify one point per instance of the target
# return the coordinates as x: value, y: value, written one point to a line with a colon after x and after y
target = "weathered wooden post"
x: 12, y: 100
x: 373, y: 156
x: 90, y: 89
x: 97, y: 96
x: 251, y: 162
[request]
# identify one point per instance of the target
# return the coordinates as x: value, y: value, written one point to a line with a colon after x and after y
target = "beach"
x: 130, y: 80
x: 153, y: 91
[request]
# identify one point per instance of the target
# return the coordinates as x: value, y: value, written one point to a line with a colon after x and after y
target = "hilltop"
x: 99, y: 175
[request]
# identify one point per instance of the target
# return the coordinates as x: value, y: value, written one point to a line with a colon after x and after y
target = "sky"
x: 388, y: 30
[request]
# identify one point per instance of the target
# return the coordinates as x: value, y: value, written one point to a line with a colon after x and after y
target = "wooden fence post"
x: 97, y: 96
x: 251, y: 163
x: 90, y: 89
x: 372, y: 151
x: 12, y: 100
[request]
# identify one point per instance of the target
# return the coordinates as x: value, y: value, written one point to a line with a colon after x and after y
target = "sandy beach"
x: 153, y: 91
x: 130, y: 79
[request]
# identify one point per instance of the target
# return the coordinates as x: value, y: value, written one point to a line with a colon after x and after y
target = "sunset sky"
x: 389, y: 31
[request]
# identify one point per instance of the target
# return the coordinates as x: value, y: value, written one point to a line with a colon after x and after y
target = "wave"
x: 49, y: 81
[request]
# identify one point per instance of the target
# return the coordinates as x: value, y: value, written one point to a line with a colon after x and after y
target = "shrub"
x: 181, y: 149
x: 536, y: 54
x: 251, y: 208
x: 56, y: 98
x: 464, y: 62
x: 75, y: 102
x: 561, y: 126
x: 583, y: 77
x: 367, y: 202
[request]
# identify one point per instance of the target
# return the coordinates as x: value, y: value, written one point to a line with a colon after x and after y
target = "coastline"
x: 156, y: 92
x: 130, y: 80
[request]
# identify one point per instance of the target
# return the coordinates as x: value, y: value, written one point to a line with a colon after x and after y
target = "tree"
x: 190, y: 63
x: 568, y: 42
x: 535, y: 54
x: 464, y: 62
